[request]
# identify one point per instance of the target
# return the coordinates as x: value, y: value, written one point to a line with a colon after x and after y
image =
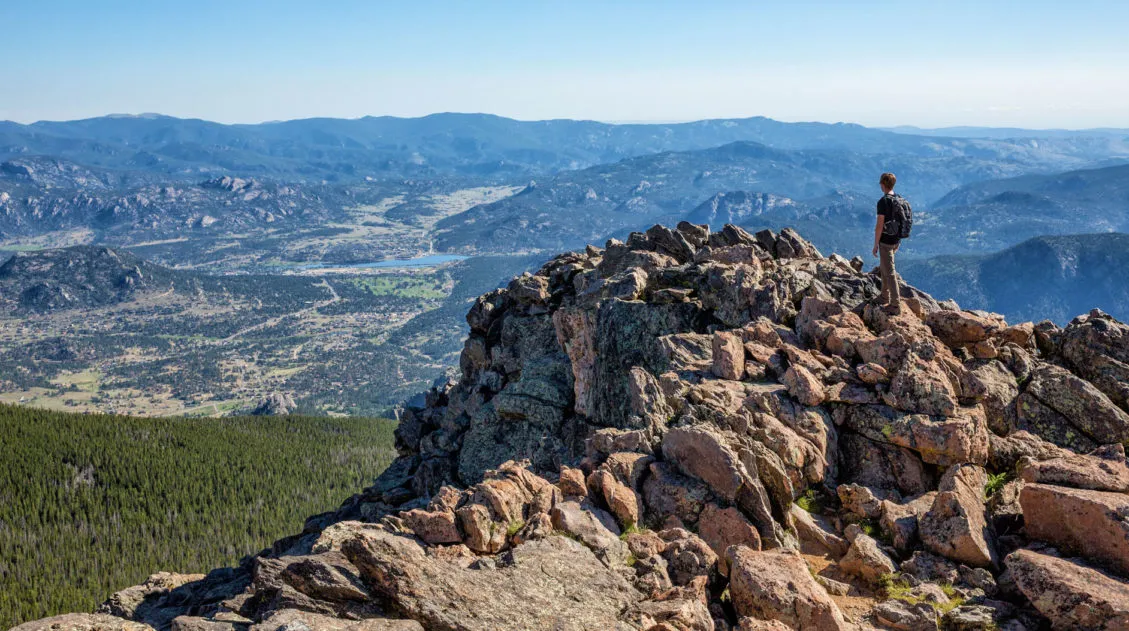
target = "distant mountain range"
x: 1055, y: 277
x: 1005, y: 132
x: 475, y: 145
x: 43, y: 194
x: 991, y: 215
x: 836, y: 190
x: 356, y: 190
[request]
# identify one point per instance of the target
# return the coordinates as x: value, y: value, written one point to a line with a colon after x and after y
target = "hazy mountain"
x: 991, y: 215
x: 588, y: 205
x: 1008, y: 132
x: 738, y: 207
x: 155, y: 210
x: 1054, y: 277
x: 472, y: 144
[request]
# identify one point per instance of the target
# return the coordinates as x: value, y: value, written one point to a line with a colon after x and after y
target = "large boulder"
x: 621, y: 499
x: 294, y: 619
x: 323, y: 583
x: 1103, y: 470
x: 668, y: 493
x: 1069, y: 594
x: 724, y: 527
x: 921, y: 385
x: 962, y: 328
x: 707, y: 455
x: 900, y: 521
x: 1097, y: 347
x: 83, y: 622
x: 434, y: 527
x: 777, y: 585
x: 1005, y: 452
x: 996, y: 388
x: 880, y: 465
x: 540, y: 588
x: 803, y: 385
x: 943, y: 440
x: 1070, y: 411
x: 1093, y: 524
x: 866, y: 560
x: 587, y: 524
x: 956, y: 527
x: 135, y: 601
x: 728, y: 355
x: 817, y: 530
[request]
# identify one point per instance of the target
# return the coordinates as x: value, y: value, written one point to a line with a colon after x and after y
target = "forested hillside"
x: 93, y: 503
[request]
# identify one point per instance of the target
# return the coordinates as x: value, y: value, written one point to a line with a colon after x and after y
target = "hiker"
x: 895, y: 218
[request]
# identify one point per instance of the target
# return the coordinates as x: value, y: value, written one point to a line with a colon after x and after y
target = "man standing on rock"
x: 887, y: 237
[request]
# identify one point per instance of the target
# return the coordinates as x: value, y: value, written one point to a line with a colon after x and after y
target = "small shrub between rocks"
x: 996, y: 481
x: 633, y: 529
x: 895, y: 588
x: 811, y: 501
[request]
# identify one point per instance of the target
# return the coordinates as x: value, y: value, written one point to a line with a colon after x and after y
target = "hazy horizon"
x: 143, y: 115
x: 1035, y: 65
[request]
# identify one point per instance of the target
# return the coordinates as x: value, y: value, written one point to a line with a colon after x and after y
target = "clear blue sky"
x: 1033, y: 63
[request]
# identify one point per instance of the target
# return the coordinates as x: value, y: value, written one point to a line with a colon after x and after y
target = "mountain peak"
x: 639, y: 429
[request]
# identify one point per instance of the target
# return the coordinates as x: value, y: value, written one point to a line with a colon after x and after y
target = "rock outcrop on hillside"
x: 695, y: 431
x: 78, y: 276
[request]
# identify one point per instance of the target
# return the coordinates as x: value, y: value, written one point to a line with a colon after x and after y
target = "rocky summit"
x: 694, y: 431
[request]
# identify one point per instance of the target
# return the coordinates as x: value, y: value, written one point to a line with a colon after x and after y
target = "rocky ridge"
x: 697, y: 431
x: 78, y: 276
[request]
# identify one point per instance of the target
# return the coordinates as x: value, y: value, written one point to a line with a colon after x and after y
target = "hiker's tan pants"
x: 890, y: 292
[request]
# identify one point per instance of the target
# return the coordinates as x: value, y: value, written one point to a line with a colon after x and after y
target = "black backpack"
x: 900, y: 223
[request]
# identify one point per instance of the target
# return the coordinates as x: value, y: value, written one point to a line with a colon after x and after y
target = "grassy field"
x: 425, y: 286
x: 90, y: 504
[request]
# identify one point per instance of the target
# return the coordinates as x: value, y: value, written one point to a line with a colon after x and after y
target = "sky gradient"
x: 1035, y: 63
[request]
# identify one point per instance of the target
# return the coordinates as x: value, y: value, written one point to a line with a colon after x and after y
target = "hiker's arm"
x: 877, y: 233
